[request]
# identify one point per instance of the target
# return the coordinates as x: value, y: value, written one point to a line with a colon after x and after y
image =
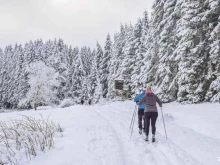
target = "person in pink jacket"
x: 150, y: 112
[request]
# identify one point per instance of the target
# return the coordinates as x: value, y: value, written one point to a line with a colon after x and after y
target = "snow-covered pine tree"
x: 12, y: 73
x: 38, y: 49
x: 192, y: 54
x: 48, y: 51
x: 2, y: 72
x: 139, y: 54
x: 92, y: 79
x: 144, y: 34
x: 57, y: 61
x: 113, y: 66
x: 21, y: 85
x: 94, y: 85
x: 165, y: 83
x: 104, y: 66
x: 71, y: 70
x: 121, y: 40
x: 78, y: 77
x: 8, y: 79
x: 70, y: 64
x: 151, y: 58
x: 213, y: 15
x: 29, y: 53
x: 117, y: 57
x: 99, y: 55
x: 86, y: 58
x: 128, y: 51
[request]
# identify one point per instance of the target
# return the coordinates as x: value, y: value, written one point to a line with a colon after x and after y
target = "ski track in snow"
x: 99, y: 142
x: 100, y: 135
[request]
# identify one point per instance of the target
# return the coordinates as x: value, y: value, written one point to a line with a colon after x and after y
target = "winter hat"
x: 148, y: 90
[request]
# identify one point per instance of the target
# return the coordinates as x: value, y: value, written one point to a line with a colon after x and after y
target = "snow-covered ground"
x: 100, y: 135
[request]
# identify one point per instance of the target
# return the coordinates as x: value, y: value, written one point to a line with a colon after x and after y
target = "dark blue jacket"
x: 138, y: 98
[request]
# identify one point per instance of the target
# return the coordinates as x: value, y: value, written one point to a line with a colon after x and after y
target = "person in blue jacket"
x: 141, y: 108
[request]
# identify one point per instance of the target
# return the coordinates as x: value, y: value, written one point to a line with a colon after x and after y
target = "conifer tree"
x: 104, y: 66
x: 213, y: 17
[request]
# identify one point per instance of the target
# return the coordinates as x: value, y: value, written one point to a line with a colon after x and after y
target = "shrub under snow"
x: 24, y: 138
x: 66, y: 103
x: 43, y: 81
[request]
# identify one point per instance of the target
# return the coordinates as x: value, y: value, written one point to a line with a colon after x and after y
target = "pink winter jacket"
x: 150, y: 99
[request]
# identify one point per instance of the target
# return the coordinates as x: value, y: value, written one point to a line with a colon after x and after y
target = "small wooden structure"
x: 119, y: 84
x: 121, y: 89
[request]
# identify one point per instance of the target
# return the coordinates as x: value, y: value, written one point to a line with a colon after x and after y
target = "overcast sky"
x: 78, y: 22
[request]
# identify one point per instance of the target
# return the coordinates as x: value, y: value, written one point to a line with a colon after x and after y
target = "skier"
x: 141, y: 108
x: 90, y: 101
x: 150, y: 112
x: 82, y: 101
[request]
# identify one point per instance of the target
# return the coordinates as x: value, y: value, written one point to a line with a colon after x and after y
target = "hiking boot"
x: 153, y: 138
x: 140, y: 131
x: 146, y: 139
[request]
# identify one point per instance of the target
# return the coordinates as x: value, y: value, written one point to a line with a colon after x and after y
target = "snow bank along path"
x: 100, y: 135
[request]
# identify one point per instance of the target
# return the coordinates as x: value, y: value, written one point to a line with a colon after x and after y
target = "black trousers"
x: 150, y: 117
x: 141, y: 118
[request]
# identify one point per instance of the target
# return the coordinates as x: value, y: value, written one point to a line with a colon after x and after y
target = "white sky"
x: 77, y: 22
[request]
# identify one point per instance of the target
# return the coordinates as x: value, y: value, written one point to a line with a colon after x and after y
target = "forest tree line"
x: 176, y: 51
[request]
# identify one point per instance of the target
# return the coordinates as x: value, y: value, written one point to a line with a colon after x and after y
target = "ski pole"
x: 133, y: 116
x: 164, y: 123
x: 133, y: 122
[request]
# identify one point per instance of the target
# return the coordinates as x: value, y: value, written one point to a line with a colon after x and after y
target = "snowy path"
x: 88, y: 139
x: 138, y: 151
x: 100, y: 135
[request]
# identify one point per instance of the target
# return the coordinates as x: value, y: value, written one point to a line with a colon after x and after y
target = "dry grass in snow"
x: 24, y: 138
